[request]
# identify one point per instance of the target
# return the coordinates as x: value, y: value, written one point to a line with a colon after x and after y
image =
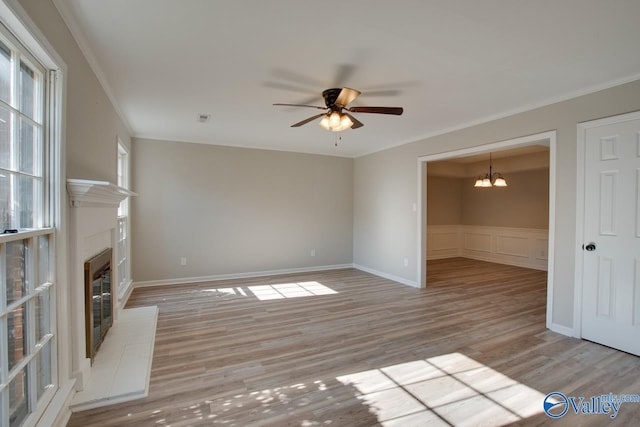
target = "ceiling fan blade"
x: 295, y: 77
x: 378, y: 110
x: 356, y: 123
x: 382, y: 92
x: 287, y: 86
x: 343, y: 74
x: 302, y: 105
x: 310, y: 100
x: 346, y: 96
x: 305, y: 121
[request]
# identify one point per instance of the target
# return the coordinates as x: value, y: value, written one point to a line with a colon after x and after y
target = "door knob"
x: 590, y: 247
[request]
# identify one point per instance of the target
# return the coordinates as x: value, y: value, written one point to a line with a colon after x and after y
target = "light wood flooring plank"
x: 224, y: 357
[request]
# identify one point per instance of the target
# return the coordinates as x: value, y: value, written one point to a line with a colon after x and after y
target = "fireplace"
x: 98, y: 300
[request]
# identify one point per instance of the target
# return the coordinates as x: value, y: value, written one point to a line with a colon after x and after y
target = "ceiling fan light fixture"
x: 325, y: 123
x: 345, y: 122
x: 334, y: 119
x: 336, y: 122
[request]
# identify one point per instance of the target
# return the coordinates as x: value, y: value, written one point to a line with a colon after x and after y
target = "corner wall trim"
x: 401, y: 280
x: 123, y: 297
x: 231, y: 276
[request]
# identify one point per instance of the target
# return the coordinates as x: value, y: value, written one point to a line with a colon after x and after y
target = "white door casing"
x: 609, y: 253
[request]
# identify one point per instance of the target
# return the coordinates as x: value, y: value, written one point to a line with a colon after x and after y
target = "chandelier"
x: 491, y: 179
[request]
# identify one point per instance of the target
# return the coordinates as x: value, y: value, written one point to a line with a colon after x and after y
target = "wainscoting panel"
x: 524, y: 247
x: 512, y: 246
x: 443, y: 241
x: 476, y: 242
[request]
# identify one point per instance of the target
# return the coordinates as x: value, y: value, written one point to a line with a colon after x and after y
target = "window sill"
x: 25, y: 234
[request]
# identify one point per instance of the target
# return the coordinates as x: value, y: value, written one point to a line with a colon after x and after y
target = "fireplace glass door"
x: 98, y: 308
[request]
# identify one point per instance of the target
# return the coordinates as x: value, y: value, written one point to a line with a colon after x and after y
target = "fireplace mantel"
x: 93, y: 221
x: 96, y: 194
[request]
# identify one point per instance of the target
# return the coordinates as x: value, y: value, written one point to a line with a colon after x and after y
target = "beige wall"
x: 92, y: 124
x: 523, y: 204
x: 235, y: 210
x: 444, y: 200
x: 385, y: 187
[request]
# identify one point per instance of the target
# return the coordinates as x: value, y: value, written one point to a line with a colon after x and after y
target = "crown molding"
x: 80, y: 37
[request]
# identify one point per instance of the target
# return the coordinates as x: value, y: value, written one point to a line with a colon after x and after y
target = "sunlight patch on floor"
x: 451, y: 389
x: 225, y: 291
x: 276, y: 291
x: 267, y: 402
x: 290, y: 290
x: 443, y: 390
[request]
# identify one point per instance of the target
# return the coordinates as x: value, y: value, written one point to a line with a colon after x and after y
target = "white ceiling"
x: 448, y: 63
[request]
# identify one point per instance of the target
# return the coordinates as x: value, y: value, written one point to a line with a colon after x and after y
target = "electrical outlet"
x: 406, y: 262
x: 313, y: 252
x: 183, y: 260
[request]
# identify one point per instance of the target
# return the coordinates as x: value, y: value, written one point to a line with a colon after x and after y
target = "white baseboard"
x: 219, y: 277
x: 81, y: 376
x: 124, y: 296
x: 386, y: 276
x: 507, y: 262
x: 564, y: 330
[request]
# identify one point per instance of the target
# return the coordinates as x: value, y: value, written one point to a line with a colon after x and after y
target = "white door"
x: 611, y: 247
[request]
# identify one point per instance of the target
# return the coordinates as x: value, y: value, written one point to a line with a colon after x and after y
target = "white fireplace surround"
x: 92, y: 224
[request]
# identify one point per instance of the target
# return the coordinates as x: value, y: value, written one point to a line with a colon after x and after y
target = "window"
x: 27, y: 290
x: 21, y: 130
x: 123, y: 246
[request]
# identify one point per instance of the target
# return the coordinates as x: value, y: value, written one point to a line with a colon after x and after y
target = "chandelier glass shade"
x: 490, y: 179
x: 336, y: 122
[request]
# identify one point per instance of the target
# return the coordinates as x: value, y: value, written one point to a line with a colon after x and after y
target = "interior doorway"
x: 546, y: 138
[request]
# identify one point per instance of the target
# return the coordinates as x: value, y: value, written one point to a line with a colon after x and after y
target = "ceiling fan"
x: 336, y: 115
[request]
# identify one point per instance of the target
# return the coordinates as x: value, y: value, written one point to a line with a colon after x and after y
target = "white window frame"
x: 123, y: 232
x: 20, y: 55
x: 48, y: 223
x: 36, y: 287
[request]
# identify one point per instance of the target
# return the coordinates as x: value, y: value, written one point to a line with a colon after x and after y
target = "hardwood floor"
x: 470, y: 349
